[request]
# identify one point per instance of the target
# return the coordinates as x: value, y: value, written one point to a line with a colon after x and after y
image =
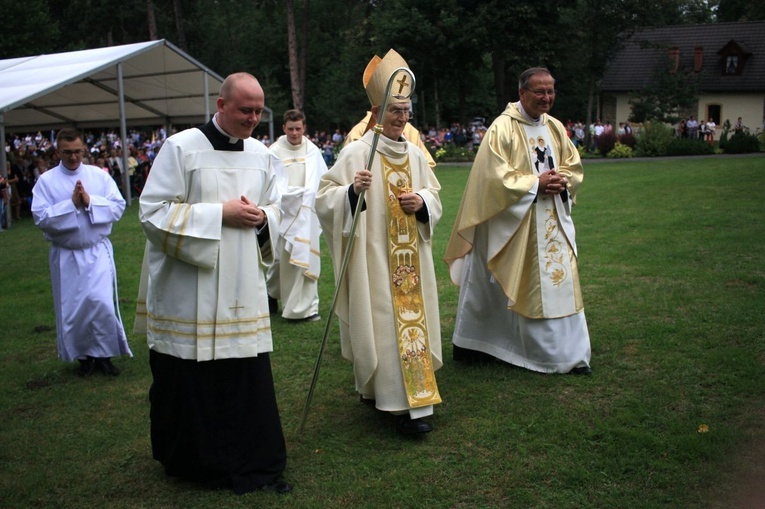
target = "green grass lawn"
x: 671, y: 264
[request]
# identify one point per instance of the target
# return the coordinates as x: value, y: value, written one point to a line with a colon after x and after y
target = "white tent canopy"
x: 144, y: 84
x: 161, y: 85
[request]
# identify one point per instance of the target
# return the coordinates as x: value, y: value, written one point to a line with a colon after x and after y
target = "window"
x: 714, y: 111
x: 731, y: 64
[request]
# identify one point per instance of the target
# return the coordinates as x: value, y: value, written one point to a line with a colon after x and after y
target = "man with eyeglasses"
x: 513, y: 249
x: 387, y: 302
x: 75, y: 205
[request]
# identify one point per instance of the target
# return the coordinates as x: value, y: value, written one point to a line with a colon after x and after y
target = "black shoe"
x: 367, y: 401
x: 273, y: 305
x: 106, y: 367
x: 468, y: 356
x: 581, y: 370
x: 405, y: 425
x: 86, y: 367
x: 280, y: 487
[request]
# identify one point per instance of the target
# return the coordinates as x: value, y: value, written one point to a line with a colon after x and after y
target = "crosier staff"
x: 377, y: 129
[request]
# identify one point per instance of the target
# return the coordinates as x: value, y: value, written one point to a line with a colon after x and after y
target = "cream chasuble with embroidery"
x: 218, y: 307
x: 388, y: 302
x: 531, y: 247
x: 513, y: 251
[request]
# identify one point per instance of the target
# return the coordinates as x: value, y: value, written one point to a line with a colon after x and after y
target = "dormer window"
x: 733, y: 58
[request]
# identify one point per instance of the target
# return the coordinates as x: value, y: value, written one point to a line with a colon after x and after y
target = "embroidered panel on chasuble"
x: 408, y: 302
x: 554, y: 257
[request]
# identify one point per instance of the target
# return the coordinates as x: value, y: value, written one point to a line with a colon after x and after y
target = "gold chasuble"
x: 531, y: 246
x: 408, y: 305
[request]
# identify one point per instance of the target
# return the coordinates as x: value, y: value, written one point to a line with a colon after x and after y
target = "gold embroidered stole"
x: 408, y: 302
x: 556, y: 284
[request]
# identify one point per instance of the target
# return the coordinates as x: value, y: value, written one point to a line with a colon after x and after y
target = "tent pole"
x: 3, y: 168
x: 123, y: 134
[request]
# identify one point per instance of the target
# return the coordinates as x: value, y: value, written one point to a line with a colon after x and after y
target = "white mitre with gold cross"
x: 379, y: 71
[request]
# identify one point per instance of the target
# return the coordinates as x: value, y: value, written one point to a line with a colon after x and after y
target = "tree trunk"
x: 151, y: 21
x: 303, y: 65
x: 437, y: 104
x: 292, y: 49
x: 498, y: 66
x: 590, y: 100
x: 180, y: 22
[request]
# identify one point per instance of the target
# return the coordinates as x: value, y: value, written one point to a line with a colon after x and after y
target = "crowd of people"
x: 693, y: 129
x: 30, y: 155
x: 456, y: 134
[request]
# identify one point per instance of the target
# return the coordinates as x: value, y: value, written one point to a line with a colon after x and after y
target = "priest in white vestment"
x: 75, y: 205
x: 513, y: 248
x: 210, y: 212
x: 293, y: 278
x: 387, y: 302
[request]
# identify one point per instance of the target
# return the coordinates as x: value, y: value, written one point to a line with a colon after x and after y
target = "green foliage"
x: 653, y: 139
x: 28, y: 29
x: 665, y: 96
x: 688, y: 147
x: 740, y: 10
x: 741, y: 142
x: 452, y: 153
x: 620, y: 151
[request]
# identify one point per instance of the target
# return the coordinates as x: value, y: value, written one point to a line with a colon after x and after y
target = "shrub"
x: 620, y: 151
x: 453, y: 153
x: 687, y: 147
x: 654, y: 139
x: 628, y: 139
x: 606, y: 142
x: 741, y: 143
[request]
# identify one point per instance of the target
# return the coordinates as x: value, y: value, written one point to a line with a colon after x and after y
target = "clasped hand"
x: 242, y: 213
x: 80, y: 196
x: 551, y: 182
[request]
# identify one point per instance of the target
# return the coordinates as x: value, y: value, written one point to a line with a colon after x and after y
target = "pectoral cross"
x: 402, y: 83
x: 236, y: 307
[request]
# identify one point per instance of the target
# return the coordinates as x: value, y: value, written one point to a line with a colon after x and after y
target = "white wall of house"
x: 749, y: 106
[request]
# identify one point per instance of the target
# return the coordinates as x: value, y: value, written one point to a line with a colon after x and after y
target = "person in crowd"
x: 710, y: 130
x: 512, y: 249
x: 12, y: 180
x: 600, y: 129
x: 75, y: 205
x: 3, y: 203
x: 210, y: 212
x: 411, y: 134
x: 387, y: 301
x: 578, y: 134
x: 692, y: 127
x: 294, y: 276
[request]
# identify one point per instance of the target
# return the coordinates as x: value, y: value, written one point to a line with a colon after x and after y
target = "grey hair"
x: 523, y: 80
